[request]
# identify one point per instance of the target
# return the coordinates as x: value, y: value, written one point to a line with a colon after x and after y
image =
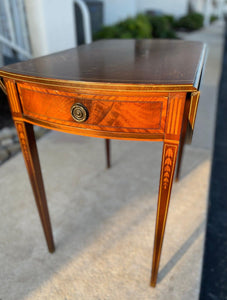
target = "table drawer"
x: 114, y: 113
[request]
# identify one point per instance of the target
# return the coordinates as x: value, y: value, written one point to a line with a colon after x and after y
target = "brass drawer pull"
x: 79, y: 112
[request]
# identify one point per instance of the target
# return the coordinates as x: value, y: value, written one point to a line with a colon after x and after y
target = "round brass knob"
x: 79, y: 112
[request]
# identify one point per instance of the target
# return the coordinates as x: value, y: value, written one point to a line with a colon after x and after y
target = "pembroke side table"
x: 144, y: 90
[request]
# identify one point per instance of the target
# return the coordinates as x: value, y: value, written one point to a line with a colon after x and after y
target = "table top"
x: 156, y: 62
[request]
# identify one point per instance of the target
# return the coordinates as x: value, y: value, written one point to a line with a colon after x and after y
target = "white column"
x: 221, y: 10
x: 207, y: 12
x: 36, y: 27
x: 51, y: 25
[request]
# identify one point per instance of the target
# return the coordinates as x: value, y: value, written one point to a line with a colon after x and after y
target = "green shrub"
x: 138, y: 27
x: 190, y: 22
x: 162, y: 26
x: 170, y: 19
x: 213, y: 18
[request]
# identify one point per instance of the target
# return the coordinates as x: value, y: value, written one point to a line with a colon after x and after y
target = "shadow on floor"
x: 181, y: 252
x: 214, y: 274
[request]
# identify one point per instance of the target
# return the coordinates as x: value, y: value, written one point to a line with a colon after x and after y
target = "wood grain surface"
x: 145, y: 61
x: 112, y: 113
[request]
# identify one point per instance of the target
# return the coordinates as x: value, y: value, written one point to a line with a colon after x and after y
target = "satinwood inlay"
x: 12, y: 93
x: 168, y: 163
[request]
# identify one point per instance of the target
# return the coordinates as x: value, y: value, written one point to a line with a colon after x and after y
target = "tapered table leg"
x: 169, y: 156
x: 108, y: 164
x: 29, y: 150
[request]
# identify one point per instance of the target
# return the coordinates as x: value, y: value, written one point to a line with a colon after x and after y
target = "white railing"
x: 15, y: 47
x: 13, y: 30
x: 86, y: 20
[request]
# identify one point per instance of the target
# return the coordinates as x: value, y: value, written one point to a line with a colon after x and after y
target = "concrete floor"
x: 103, y: 220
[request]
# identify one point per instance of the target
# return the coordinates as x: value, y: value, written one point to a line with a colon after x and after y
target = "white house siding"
x: 173, y: 7
x: 117, y: 10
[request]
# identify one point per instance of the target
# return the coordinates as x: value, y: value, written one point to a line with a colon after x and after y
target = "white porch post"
x: 221, y: 10
x: 51, y: 25
x: 207, y: 12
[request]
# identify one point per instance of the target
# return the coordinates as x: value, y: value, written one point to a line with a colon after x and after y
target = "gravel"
x: 9, y: 143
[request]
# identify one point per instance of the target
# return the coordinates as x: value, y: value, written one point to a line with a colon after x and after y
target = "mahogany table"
x: 113, y: 89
